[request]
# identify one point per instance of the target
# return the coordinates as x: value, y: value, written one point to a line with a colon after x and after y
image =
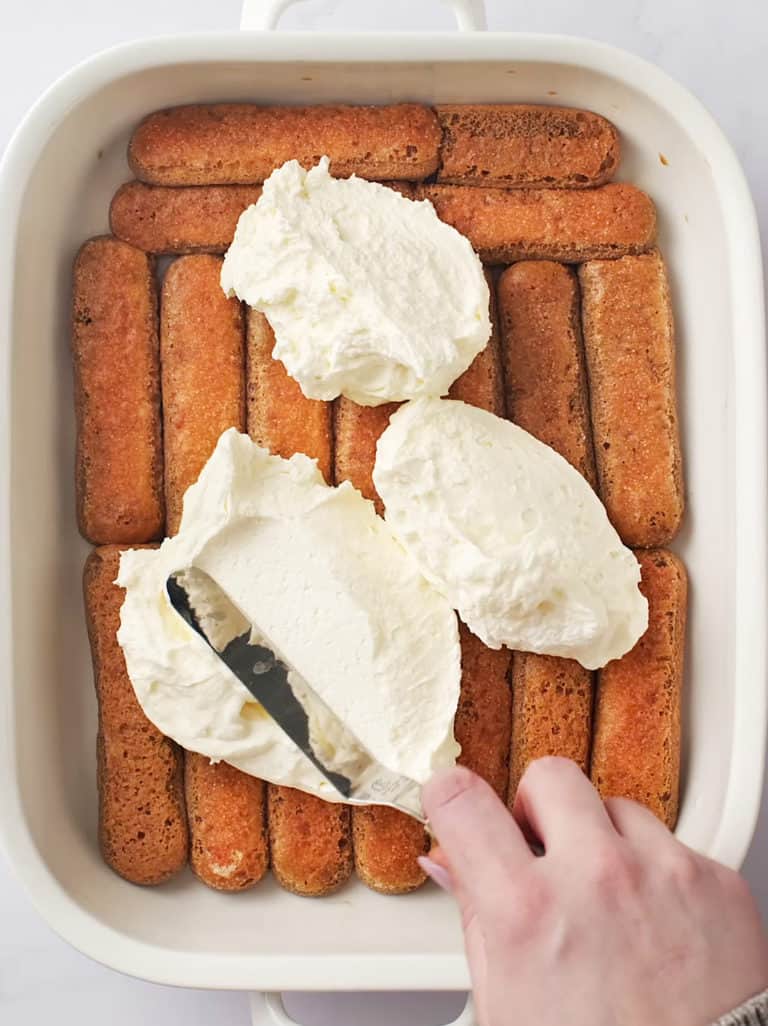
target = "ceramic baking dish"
x: 57, y: 178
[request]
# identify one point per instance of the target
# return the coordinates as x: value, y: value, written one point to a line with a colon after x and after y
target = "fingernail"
x: 436, y: 872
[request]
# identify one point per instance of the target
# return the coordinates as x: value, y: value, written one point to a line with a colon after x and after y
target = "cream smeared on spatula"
x: 324, y: 578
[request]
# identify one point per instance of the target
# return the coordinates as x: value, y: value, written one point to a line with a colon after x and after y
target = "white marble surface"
x: 717, y: 49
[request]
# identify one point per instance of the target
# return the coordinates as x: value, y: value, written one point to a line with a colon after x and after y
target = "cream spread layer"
x: 369, y: 294
x: 324, y: 578
x: 509, y: 533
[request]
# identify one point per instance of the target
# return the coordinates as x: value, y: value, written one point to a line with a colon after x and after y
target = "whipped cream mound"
x: 323, y: 577
x: 509, y: 533
x: 368, y: 293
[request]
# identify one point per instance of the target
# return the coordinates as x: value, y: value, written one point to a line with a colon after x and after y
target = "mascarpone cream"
x: 323, y: 577
x: 369, y: 294
x: 511, y: 535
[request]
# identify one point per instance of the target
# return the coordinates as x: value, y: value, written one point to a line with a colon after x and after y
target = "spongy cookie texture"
x: 142, y: 822
x: 515, y: 145
x: 636, y: 751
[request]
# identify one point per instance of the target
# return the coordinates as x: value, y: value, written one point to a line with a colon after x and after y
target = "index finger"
x: 557, y: 803
x: 479, y: 838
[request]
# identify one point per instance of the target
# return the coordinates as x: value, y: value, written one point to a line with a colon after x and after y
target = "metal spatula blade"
x: 286, y: 696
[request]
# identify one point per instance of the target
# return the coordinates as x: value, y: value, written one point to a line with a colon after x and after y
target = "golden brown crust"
x: 203, y: 371
x: 240, y: 143
x: 203, y: 361
x: 387, y: 844
x: 197, y: 219
x: 636, y: 748
x: 630, y: 350
x: 142, y: 823
x: 119, y: 464
x: 407, y: 189
x: 521, y: 145
x: 546, y: 394
x: 310, y: 839
x: 356, y: 431
x: 482, y: 383
x: 568, y: 225
x: 483, y: 717
x: 551, y: 712
x: 543, y: 356
x: 311, y: 842
x: 280, y: 417
x: 228, y: 838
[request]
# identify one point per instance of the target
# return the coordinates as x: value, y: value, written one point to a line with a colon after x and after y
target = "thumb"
x: 480, y: 840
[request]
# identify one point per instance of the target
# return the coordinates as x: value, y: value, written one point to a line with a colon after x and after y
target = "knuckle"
x: 684, y: 868
x: 613, y: 869
x: 527, y: 908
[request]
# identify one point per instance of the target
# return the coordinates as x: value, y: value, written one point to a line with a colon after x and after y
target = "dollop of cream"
x: 368, y: 293
x: 326, y: 581
x: 509, y: 533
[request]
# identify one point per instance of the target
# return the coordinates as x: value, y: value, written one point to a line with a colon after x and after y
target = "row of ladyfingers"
x: 503, y: 225
x: 490, y: 145
x: 123, y: 491
x: 143, y: 826
x: 160, y: 808
x: 533, y: 162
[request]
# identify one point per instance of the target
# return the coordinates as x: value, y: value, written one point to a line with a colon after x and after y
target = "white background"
x: 719, y: 50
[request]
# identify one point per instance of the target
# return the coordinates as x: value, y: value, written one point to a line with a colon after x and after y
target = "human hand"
x: 616, y: 924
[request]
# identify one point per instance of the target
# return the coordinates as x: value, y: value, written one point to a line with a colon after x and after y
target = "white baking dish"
x: 57, y: 178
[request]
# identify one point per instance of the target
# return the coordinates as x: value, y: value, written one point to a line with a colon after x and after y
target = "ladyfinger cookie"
x: 483, y: 717
x: 356, y: 431
x: 203, y: 371
x: 119, y: 462
x: 310, y: 840
x: 142, y: 823
x: 636, y: 748
x: 546, y: 394
x: 229, y: 850
x: 386, y: 842
x: 551, y: 712
x: 543, y: 357
x: 194, y: 219
x: 482, y: 383
x: 197, y: 219
x: 203, y: 360
x: 240, y: 143
x: 570, y: 225
x: 508, y: 146
x: 630, y: 350
x: 279, y: 415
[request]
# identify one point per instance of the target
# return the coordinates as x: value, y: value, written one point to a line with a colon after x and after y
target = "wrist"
x: 753, y: 1012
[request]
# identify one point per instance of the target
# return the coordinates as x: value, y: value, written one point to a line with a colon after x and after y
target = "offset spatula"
x: 333, y: 750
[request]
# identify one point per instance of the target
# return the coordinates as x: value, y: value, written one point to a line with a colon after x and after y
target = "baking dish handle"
x: 263, y: 15
x: 267, y: 1009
